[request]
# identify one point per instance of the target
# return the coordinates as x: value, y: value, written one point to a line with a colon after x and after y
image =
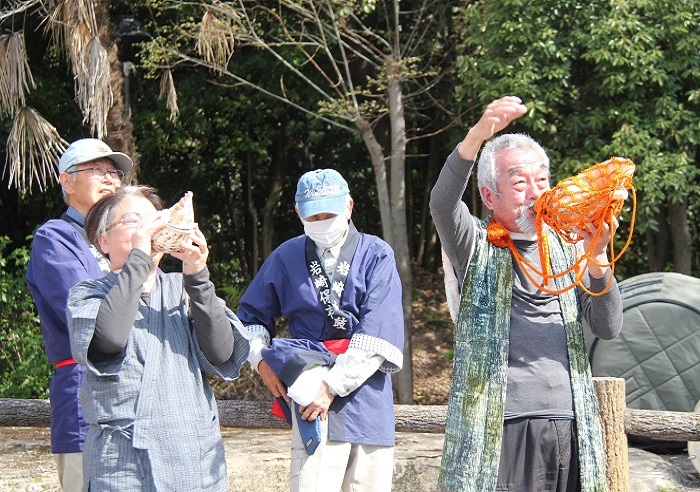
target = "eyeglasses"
x: 100, y: 173
x: 129, y: 219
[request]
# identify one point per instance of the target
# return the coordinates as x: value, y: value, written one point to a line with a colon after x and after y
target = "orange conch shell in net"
x: 587, y: 198
x: 180, y: 226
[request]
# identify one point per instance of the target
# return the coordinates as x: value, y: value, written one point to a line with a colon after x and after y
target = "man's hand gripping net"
x: 594, y: 196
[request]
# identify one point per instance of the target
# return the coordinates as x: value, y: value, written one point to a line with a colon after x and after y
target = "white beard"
x: 523, y: 221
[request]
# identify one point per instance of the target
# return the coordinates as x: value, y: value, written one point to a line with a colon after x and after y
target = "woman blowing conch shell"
x: 149, y: 340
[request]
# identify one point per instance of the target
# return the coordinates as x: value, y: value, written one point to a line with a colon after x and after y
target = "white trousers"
x: 70, y: 471
x: 340, y: 466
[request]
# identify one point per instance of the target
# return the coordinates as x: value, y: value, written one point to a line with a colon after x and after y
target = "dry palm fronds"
x: 93, y: 91
x: 68, y: 11
x: 75, y: 30
x: 33, y: 148
x: 215, y: 42
x: 17, y: 7
x: 5, y: 93
x: 76, y: 44
x: 73, y: 24
x: 167, y: 90
x: 15, y: 76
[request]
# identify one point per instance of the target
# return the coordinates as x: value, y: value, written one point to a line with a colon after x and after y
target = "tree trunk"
x: 657, y: 244
x: 120, y: 130
x: 237, y: 238
x: 433, y: 253
x: 273, y: 198
x: 376, y: 155
x: 423, y: 249
x: 680, y: 235
x: 399, y: 225
x: 253, y: 211
x: 433, y: 256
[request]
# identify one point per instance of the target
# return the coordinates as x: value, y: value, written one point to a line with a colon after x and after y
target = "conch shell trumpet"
x: 180, y: 225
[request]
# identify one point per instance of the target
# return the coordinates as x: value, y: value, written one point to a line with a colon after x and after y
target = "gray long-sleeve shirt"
x: 117, y: 312
x: 538, y: 367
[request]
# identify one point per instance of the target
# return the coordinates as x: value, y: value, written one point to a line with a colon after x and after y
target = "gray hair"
x: 63, y: 192
x: 487, y: 172
x: 104, y: 212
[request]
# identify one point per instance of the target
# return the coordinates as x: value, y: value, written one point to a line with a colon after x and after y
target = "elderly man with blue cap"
x: 341, y: 294
x: 61, y: 257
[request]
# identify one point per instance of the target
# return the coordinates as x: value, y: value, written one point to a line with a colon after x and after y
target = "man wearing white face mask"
x: 341, y: 294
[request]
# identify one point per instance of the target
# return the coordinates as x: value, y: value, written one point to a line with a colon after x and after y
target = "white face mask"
x: 327, y: 233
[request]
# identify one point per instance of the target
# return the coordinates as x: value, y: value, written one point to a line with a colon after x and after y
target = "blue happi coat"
x: 61, y: 257
x: 371, y: 303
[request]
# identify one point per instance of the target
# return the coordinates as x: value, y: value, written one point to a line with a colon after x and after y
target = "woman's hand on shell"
x: 193, y: 252
x: 143, y: 234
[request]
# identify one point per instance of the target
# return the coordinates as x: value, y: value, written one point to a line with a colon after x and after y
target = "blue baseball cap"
x: 89, y: 149
x: 323, y: 191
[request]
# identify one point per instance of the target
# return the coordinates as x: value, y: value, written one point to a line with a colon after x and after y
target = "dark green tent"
x: 658, y: 351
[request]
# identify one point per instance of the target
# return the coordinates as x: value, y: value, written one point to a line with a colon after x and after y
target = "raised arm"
x: 496, y: 117
x: 451, y: 216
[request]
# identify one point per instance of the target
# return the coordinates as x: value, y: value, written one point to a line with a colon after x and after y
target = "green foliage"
x: 24, y: 370
x: 600, y: 79
x: 230, y: 285
x: 225, y: 147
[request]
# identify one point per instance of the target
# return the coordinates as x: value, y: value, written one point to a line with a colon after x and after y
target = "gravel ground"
x: 261, y: 457
x: 26, y: 462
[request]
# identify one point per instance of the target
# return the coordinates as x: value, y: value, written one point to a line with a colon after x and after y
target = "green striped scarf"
x: 474, y: 429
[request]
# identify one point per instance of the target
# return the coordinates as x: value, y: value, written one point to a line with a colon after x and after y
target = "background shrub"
x: 24, y: 369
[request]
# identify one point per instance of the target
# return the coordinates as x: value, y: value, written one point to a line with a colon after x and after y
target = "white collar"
x: 335, y: 250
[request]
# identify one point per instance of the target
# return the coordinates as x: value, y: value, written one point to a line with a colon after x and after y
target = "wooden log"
x: 611, y: 407
x: 421, y: 418
x: 249, y: 414
x: 663, y: 426
x: 668, y: 426
x: 256, y: 415
x: 232, y: 413
x: 24, y: 413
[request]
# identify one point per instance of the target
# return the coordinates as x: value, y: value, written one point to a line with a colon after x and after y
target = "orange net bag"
x: 593, y: 197
x: 180, y: 226
x: 587, y: 198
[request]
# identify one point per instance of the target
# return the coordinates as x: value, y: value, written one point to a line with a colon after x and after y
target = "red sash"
x: 65, y: 362
x: 337, y: 347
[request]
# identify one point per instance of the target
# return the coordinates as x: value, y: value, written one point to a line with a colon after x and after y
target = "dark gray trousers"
x: 539, y: 455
